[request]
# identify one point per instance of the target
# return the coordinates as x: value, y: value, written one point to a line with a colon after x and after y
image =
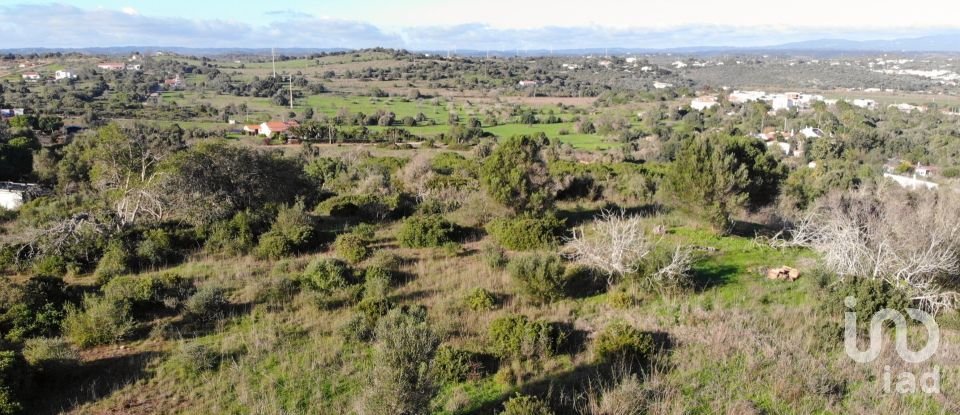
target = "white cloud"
x: 561, y: 26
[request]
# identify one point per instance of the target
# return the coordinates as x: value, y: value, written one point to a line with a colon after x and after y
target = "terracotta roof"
x: 277, y: 126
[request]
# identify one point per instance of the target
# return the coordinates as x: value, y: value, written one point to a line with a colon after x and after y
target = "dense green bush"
x: 156, y: 248
x: 542, y: 277
x: 292, y: 232
x: 273, y: 246
x: 452, y: 365
x: 516, y: 174
x: 872, y: 295
x: 145, y: 292
x: 326, y: 275
x: 232, y: 237
x: 34, y: 310
x: 401, y: 382
x: 622, y: 342
x: 519, y: 337
x: 367, y: 206
x: 99, y: 321
x: 480, y: 299
x: 12, y: 382
x: 352, y: 247
x: 115, y: 261
x: 524, y: 233
x: 22, y: 321
x: 525, y: 405
x: 50, y: 266
x: 425, y: 231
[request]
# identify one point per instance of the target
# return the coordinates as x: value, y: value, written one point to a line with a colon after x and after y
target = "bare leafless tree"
x: 676, y: 271
x: 615, y: 244
x: 911, y: 240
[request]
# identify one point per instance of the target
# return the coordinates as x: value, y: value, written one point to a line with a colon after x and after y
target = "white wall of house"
x: 910, y: 182
x: 10, y: 199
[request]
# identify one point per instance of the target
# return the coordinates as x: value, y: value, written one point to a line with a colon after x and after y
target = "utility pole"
x: 291, y: 91
x: 273, y: 54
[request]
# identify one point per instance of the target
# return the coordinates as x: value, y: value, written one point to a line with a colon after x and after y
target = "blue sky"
x: 457, y: 24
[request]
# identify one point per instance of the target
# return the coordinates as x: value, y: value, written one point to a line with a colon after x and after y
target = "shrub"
x: 452, y: 365
x: 425, y: 231
x: 207, y: 303
x: 519, y: 337
x: 35, y: 310
x: 49, y: 354
x: 156, y: 248
x: 233, y: 237
x: 525, y: 405
x: 144, y: 292
x: 115, y: 261
x: 872, y: 295
x: 401, y: 382
x: 351, y: 247
x: 480, y: 299
x: 276, y: 291
x: 50, y: 266
x: 291, y: 232
x: 525, y: 233
x: 494, y: 257
x: 326, y: 275
x: 386, y: 260
x: 192, y: 359
x: 376, y: 282
x: 540, y: 276
x: 12, y: 382
x: 622, y: 342
x: 273, y: 246
x: 100, y: 321
x: 367, y: 206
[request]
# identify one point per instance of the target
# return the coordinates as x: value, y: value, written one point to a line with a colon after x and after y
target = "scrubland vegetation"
x: 171, y: 271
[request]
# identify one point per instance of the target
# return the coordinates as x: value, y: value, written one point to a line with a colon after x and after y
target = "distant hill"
x: 946, y: 42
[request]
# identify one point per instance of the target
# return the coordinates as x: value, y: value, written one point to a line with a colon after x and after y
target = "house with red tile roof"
x: 270, y: 128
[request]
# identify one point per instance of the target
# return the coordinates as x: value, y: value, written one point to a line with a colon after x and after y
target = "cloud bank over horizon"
x: 54, y: 25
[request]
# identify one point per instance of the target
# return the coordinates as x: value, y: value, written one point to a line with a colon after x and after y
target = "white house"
x: 662, y: 85
x: 13, y: 195
x: 911, y: 182
x: 704, y: 102
x: 63, y: 75
x: 925, y: 171
x: 908, y: 108
x: 270, y: 128
x: 865, y: 103
x: 740, y: 97
x: 811, y: 132
x: 785, y: 147
x: 646, y: 69
x: 679, y: 65
x: 111, y: 66
x: 31, y: 76
x: 523, y: 84
x: 782, y: 102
